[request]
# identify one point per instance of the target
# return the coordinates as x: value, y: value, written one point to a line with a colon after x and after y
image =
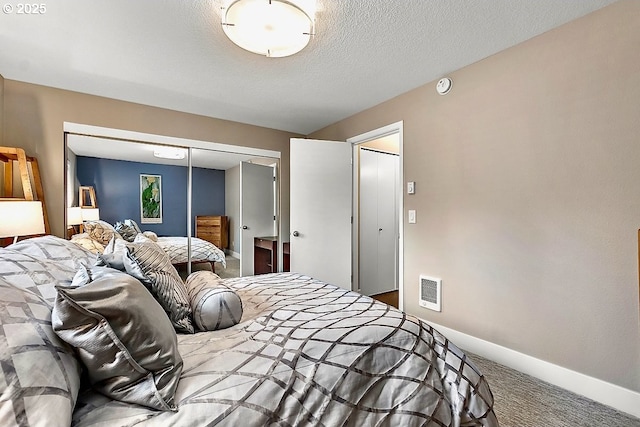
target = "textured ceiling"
x: 174, y: 54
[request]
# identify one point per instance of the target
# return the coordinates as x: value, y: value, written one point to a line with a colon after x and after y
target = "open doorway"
x: 377, y: 211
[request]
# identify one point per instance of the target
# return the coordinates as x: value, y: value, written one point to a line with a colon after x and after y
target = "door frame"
x: 393, y: 128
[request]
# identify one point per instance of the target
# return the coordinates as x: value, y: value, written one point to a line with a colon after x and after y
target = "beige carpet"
x: 524, y: 401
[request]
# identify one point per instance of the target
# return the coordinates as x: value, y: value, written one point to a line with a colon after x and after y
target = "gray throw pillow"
x: 127, y: 232
x: 132, y: 223
x: 149, y: 263
x: 39, y: 373
x: 214, y: 305
x: 113, y: 254
x: 63, y: 252
x: 36, y: 274
x: 122, y: 336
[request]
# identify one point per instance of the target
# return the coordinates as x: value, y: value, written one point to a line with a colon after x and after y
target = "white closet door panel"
x: 387, y: 222
x: 368, y: 199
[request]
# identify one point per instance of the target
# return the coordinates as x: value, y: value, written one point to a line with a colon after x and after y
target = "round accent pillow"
x: 214, y: 305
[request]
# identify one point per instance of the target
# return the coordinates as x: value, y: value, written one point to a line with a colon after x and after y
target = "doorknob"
x: 295, y: 234
x: 379, y: 229
x: 244, y: 227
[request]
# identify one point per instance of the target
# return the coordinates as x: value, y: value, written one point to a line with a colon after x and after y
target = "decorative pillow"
x: 100, y: 230
x: 37, y: 275
x: 150, y: 264
x: 150, y: 235
x: 113, y: 254
x: 122, y: 336
x: 214, y: 305
x: 127, y: 232
x: 132, y: 223
x: 53, y: 248
x: 84, y: 241
x: 39, y: 374
x: 142, y: 238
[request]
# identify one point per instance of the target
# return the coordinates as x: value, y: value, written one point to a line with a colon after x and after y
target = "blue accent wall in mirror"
x: 116, y: 183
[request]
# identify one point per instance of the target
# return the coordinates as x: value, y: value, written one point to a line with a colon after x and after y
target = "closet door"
x: 368, y: 240
x: 388, y: 165
x: 378, y: 222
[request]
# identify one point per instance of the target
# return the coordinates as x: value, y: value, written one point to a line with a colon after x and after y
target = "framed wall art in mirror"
x: 150, y: 199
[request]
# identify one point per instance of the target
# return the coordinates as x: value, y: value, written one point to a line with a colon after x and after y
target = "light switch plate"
x: 412, y: 216
x: 411, y: 187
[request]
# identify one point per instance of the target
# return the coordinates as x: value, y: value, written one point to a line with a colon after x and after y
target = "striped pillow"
x: 150, y: 264
x: 127, y: 232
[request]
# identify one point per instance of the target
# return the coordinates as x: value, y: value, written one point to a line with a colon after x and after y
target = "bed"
x: 304, y: 353
x: 201, y: 250
x: 176, y: 247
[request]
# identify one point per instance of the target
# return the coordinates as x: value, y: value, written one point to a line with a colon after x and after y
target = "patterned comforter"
x: 308, y: 353
x: 201, y: 250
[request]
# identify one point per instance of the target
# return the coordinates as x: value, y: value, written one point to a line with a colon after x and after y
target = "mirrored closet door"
x: 209, y: 209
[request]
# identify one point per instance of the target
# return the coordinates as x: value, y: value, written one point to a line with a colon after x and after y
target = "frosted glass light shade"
x: 21, y: 218
x: 74, y: 216
x: 275, y: 28
x: 172, y: 153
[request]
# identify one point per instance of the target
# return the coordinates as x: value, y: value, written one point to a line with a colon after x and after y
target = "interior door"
x: 256, y: 210
x: 379, y: 223
x: 320, y: 212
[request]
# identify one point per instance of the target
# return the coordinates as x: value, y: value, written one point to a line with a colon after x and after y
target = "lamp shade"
x: 274, y: 28
x: 21, y: 218
x: 90, y: 214
x: 74, y: 216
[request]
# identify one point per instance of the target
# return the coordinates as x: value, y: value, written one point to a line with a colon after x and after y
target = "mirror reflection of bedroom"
x: 148, y: 191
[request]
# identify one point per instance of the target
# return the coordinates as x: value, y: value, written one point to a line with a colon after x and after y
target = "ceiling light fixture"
x: 273, y: 28
x: 172, y: 153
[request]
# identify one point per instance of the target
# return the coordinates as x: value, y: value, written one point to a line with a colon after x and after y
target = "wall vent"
x: 430, y: 293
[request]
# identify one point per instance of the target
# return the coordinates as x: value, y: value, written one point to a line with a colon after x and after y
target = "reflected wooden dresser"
x: 214, y: 229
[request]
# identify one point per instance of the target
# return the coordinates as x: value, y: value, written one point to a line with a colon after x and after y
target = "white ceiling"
x: 174, y: 54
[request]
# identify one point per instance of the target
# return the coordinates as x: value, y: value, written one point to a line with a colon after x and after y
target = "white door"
x: 256, y: 210
x: 320, y: 210
x: 378, y: 225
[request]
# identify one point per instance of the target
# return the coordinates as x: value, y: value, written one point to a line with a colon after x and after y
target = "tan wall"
x: 1, y: 113
x: 34, y: 117
x: 1, y: 133
x: 528, y: 194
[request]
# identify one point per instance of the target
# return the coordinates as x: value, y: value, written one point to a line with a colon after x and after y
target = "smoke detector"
x: 444, y: 86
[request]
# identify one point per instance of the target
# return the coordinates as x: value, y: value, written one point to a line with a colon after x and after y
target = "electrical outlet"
x: 412, y: 216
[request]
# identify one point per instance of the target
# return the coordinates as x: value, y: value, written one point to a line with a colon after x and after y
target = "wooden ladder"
x: 9, y: 155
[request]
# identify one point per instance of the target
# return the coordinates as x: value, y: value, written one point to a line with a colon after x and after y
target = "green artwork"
x: 150, y: 199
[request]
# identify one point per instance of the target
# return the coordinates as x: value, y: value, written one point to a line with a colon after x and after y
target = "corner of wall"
x: 1, y: 110
x: 2, y: 123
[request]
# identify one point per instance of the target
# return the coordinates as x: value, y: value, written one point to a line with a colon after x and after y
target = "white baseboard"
x: 617, y: 397
x: 233, y: 254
